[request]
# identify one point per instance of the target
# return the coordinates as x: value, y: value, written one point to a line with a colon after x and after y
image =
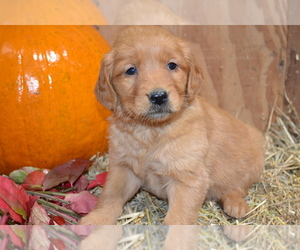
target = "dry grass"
x: 213, y: 237
x: 273, y: 201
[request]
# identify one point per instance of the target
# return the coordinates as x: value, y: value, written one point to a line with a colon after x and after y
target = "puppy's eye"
x: 172, y: 66
x: 131, y: 71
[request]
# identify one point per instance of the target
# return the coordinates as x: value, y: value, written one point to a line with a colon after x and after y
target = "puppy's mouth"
x: 159, y: 112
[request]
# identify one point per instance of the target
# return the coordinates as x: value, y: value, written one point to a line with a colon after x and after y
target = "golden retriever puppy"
x: 165, y: 138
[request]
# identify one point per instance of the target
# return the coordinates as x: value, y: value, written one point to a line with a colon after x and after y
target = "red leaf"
x: 35, y: 178
x: 19, y: 175
x: 51, y: 222
x: 7, y: 209
x: 69, y: 171
x: 14, y: 200
x: 15, y: 238
x: 58, y: 243
x: 100, y: 180
x: 82, y: 202
x: 66, y: 185
x: 82, y: 183
x: 4, y: 240
x: 3, y: 220
x: 58, y: 219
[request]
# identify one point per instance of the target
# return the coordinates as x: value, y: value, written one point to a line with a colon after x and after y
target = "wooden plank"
x: 292, y: 83
x: 293, y: 12
x: 204, y: 12
x: 231, y: 12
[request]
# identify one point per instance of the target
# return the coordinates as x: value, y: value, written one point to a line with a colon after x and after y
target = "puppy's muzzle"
x: 158, y: 97
x: 160, y: 104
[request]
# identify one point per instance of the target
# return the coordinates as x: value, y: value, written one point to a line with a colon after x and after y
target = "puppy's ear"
x: 195, y: 76
x: 104, y: 90
x: 195, y: 79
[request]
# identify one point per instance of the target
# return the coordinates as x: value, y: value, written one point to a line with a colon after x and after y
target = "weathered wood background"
x: 246, y: 68
x: 292, y: 83
x: 203, y: 12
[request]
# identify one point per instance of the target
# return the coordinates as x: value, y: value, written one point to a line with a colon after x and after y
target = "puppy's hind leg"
x: 234, y: 204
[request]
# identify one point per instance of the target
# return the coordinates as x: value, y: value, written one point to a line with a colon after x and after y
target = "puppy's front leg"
x: 120, y: 186
x: 185, y: 200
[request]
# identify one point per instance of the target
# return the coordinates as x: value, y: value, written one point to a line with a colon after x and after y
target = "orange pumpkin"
x: 50, y: 12
x: 48, y: 111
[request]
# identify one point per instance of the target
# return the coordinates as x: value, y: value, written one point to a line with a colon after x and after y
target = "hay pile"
x: 211, y: 237
x: 273, y: 201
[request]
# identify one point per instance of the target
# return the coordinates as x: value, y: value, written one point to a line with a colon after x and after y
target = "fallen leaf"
x: 82, y: 202
x: 39, y: 215
x: 100, y: 180
x: 3, y: 219
x: 58, y: 219
x: 4, y: 240
x: 14, y: 200
x: 8, y: 231
x: 38, y: 238
x: 20, y: 231
x: 6, y: 209
x: 66, y: 185
x: 19, y: 175
x: 69, y: 171
x: 35, y: 178
x: 58, y: 243
x: 81, y: 184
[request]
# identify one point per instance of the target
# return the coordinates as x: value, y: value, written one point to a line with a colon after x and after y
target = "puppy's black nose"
x: 158, y: 97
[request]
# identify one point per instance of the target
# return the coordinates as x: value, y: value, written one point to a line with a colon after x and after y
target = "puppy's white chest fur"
x: 137, y: 150
x: 146, y: 151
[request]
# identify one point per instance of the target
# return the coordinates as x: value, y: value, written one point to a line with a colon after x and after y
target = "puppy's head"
x: 149, y: 75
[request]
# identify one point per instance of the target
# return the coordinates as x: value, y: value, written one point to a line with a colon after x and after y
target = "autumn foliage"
x: 31, y: 196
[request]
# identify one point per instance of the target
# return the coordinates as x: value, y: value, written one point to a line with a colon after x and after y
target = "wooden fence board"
x: 293, y: 74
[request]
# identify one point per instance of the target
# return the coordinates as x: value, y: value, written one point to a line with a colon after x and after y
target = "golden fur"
x: 184, y: 150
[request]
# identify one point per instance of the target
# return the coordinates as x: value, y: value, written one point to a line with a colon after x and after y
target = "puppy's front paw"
x: 102, y: 237
x: 90, y: 219
x: 237, y: 233
x: 234, y: 205
x: 96, y: 218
